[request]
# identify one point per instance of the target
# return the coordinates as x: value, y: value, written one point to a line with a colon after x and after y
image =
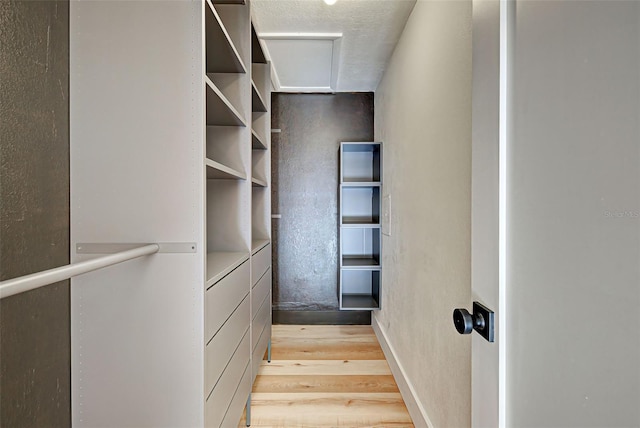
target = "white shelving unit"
x: 168, y: 148
x: 360, y: 239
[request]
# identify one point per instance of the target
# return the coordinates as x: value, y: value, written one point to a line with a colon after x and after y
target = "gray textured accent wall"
x: 305, y: 192
x: 34, y: 211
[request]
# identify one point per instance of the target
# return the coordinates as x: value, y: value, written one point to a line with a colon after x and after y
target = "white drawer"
x: 259, y: 350
x: 259, y: 292
x: 260, y: 262
x: 263, y: 316
x: 236, y: 407
x: 220, y: 399
x: 223, y: 345
x: 223, y: 297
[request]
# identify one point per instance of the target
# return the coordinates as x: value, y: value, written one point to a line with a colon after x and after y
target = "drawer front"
x: 223, y: 297
x: 260, y: 349
x: 218, y: 402
x: 260, y: 263
x: 223, y: 345
x: 236, y: 407
x: 261, y: 319
x: 259, y: 292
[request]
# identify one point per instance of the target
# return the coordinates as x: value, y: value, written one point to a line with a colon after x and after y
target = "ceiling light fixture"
x: 330, y: 2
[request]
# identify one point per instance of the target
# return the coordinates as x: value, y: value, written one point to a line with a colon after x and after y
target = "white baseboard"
x: 416, y: 411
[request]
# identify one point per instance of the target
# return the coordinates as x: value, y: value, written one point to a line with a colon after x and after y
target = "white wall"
x: 423, y: 118
x: 573, y: 280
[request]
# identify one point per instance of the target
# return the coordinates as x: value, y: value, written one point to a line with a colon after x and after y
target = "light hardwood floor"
x: 326, y: 376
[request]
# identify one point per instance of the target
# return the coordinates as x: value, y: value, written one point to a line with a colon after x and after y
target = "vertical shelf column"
x: 360, y: 240
x: 228, y: 211
x: 261, y: 203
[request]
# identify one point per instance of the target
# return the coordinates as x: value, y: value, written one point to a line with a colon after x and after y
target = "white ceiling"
x: 315, y: 47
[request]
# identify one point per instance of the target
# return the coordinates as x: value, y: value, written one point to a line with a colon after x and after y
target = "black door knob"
x: 481, y: 320
x: 463, y: 321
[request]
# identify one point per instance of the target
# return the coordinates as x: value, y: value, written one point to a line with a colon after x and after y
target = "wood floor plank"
x: 323, y: 331
x: 329, y: 409
x: 326, y: 349
x: 324, y: 367
x: 347, y: 383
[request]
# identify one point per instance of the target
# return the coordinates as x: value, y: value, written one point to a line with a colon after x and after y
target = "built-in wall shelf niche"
x: 360, y: 233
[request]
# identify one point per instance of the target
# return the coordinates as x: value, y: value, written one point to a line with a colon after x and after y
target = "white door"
x: 556, y: 212
x: 485, y: 208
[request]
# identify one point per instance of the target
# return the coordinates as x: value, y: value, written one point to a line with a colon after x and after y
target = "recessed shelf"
x: 366, y: 263
x: 228, y: 1
x: 221, y: 53
x: 357, y: 225
x: 361, y: 184
x: 256, y: 182
x: 219, y: 264
x: 216, y: 170
x: 258, y: 244
x: 359, y: 302
x: 220, y: 111
x: 257, y: 142
x: 360, y: 204
x: 360, y: 162
x: 257, y: 100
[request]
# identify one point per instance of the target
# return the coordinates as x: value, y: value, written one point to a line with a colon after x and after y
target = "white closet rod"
x: 40, y: 279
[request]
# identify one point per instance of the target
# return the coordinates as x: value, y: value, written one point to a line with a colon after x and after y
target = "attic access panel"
x: 304, y: 62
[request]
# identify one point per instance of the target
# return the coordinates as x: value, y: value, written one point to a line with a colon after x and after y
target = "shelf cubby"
x: 257, y: 141
x: 225, y: 101
x: 360, y: 248
x: 257, y: 100
x: 360, y: 162
x: 360, y: 289
x: 360, y: 205
x: 257, y: 54
x: 222, y: 56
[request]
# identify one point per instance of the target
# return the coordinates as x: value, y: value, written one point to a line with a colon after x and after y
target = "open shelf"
x: 360, y: 204
x: 221, y: 263
x: 228, y: 1
x: 216, y: 170
x: 257, y: 100
x: 360, y: 162
x: 257, y: 142
x: 258, y: 244
x: 220, y: 111
x: 360, y: 262
x: 256, y: 182
x: 359, y: 302
x: 360, y: 288
x: 357, y: 225
x: 221, y: 53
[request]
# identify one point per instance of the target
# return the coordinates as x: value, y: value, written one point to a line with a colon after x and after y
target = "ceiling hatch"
x: 304, y: 62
